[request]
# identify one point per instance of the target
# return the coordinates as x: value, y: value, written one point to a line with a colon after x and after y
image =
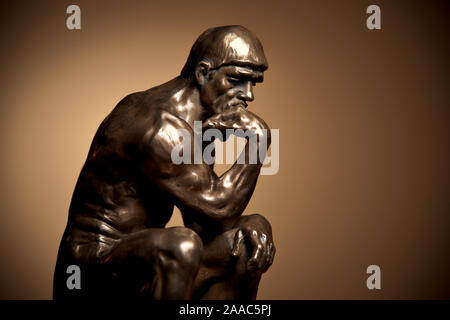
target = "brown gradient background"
x: 363, y: 118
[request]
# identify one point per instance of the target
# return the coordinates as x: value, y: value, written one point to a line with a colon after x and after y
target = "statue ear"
x: 201, y: 72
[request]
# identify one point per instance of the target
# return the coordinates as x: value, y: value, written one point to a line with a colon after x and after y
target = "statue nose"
x: 246, y: 94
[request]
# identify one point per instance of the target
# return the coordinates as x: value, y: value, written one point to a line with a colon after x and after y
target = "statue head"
x: 225, y: 62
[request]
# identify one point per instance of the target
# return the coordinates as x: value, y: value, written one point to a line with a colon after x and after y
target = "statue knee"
x: 184, y: 248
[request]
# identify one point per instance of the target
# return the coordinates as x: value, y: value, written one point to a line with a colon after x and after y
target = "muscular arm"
x: 195, y: 187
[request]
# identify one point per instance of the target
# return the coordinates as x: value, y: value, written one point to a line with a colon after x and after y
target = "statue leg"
x: 159, y: 263
x: 168, y: 261
x: 223, y: 276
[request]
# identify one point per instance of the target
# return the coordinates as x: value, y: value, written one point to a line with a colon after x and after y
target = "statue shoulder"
x: 161, y: 139
x: 166, y: 131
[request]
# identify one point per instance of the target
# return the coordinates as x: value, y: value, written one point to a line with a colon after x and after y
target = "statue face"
x: 229, y: 86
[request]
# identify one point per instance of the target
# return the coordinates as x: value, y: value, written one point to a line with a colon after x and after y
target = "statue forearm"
x: 235, y: 187
x: 227, y: 197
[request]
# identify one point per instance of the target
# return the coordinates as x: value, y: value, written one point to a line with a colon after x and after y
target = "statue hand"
x: 258, y: 232
x: 238, y: 118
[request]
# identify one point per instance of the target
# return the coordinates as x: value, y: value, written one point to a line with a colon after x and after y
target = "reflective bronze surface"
x: 129, y: 185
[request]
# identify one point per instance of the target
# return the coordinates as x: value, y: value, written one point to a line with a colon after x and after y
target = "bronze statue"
x: 128, y: 187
